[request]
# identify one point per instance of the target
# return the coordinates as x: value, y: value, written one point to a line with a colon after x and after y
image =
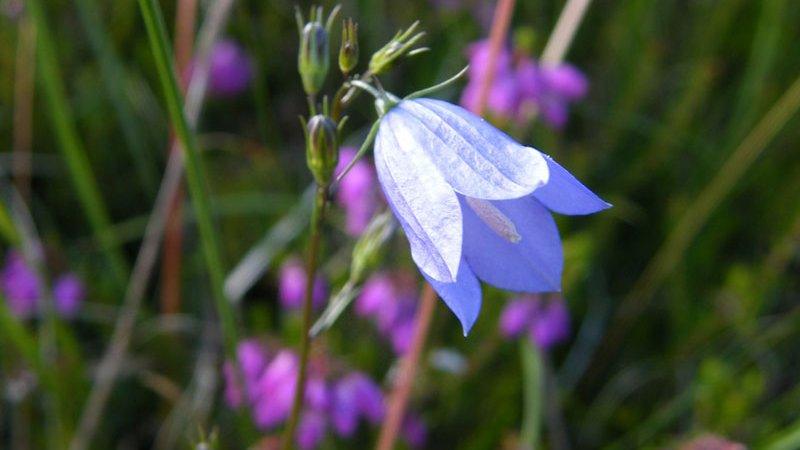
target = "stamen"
x: 495, y: 219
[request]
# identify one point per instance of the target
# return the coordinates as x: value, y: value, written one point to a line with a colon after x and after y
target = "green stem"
x: 532, y: 391
x: 156, y: 31
x: 305, y: 338
x: 71, y: 145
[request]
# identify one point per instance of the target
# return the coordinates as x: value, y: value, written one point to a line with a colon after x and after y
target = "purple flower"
x: 503, y: 97
x: 292, y: 286
x: 391, y: 301
x: 357, y: 192
x: 550, y: 90
x: 253, y: 360
x: 311, y: 430
x: 355, y: 396
x: 473, y: 203
x: 546, y: 322
x: 230, y: 70
x: 68, y: 293
x: 414, y: 431
x: 276, y: 390
x: 19, y: 285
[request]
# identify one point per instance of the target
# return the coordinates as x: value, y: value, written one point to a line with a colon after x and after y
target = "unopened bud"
x: 348, y: 53
x: 322, y: 148
x: 313, y: 59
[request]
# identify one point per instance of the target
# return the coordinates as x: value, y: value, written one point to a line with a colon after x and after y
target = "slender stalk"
x: 564, y: 32
x: 533, y: 374
x: 398, y: 402
x: 156, y: 32
x: 71, y: 146
x: 497, y: 36
x: 173, y: 239
x: 315, y: 238
x: 23, y: 105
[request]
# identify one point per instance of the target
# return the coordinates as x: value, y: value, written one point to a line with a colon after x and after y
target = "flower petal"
x: 423, y: 202
x: 564, y: 194
x: 476, y: 158
x: 533, y: 264
x: 463, y: 296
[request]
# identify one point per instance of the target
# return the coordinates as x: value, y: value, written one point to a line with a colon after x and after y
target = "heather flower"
x: 357, y: 192
x: 230, y: 69
x: 311, y: 430
x: 252, y: 358
x: 355, y: 396
x: 414, y: 431
x: 391, y: 302
x: 19, y: 286
x: 275, y: 390
x: 547, y: 323
x: 68, y: 293
x: 550, y: 90
x: 292, y: 286
x: 503, y: 97
x: 473, y: 203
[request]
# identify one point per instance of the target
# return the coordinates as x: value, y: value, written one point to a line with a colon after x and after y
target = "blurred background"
x: 684, y: 321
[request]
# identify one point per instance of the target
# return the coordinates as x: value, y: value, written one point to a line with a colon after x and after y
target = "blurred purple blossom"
x: 390, y: 300
x: 414, y: 431
x: 292, y: 286
x: 270, y: 383
x: 522, y: 87
x: 231, y: 69
x: 357, y: 192
x: 546, y: 322
x: 19, y: 285
x: 68, y: 293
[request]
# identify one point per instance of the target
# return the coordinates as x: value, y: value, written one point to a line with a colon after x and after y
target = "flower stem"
x: 315, y: 238
x: 398, y: 401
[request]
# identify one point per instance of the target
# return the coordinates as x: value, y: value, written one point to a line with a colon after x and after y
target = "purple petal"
x: 424, y: 204
x: 276, y: 389
x: 344, y: 410
x: 311, y: 430
x: 414, y: 431
x: 564, y: 194
x: 551, y: 326
x: 533, y: 264
x: 68, y: 293
x: 566, y: 81
x: 474, y: 157
x: 516, y: 317
x: 463, y: 296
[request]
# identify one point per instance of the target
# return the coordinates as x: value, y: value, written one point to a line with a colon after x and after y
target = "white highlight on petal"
x: 475, y: 158
x: 495, y: 219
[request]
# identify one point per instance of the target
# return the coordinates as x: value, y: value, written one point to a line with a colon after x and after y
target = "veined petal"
x: 564, y: 194
x: 463, y: 296
x: 532, y: 264
x: 474, y: 157
x: 423, y: 202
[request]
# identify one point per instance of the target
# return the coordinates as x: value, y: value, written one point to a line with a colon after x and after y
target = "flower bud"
x: 322, y: 148
x: 348, y: 53
x: 313, y: 59
x: 401, y: 45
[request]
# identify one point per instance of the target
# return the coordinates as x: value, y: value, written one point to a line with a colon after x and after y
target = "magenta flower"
x: 292, y: 286
x: 19, y: 286
x: 503, y: 97
x: 550, y: 90
x: 414, y: 431
x: 474, y: 204
x: 68, y: 293
x: 275, y: 390
x: 355, y: 396
x: 231, y: 69
x: 391, y: 302
x: 547, y: 323
x: 357, y: 192
x: 311, y: 430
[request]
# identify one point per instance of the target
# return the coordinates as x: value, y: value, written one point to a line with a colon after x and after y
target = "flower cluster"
x: 546, y: 322
x: 521, y: 87
x: 292, y: 286
x: 341, y: 402
x: 390, y: 300
x: 357, y: 193
x: 20, y: 287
